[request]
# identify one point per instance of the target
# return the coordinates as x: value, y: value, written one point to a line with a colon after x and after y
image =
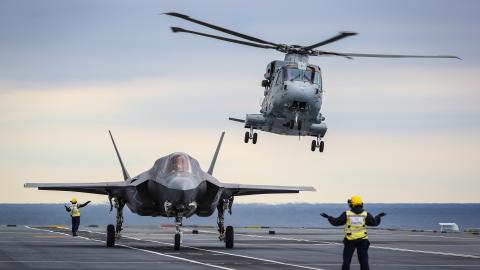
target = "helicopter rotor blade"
x: 391, y: 55
x: 181, y: 30
x: 320, y: 53
x: 339, y: 36
x: 221, y: 29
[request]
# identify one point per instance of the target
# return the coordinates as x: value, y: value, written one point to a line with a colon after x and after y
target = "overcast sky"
x: 400, y: 130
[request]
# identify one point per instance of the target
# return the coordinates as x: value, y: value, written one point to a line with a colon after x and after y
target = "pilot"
x: 74, y: 209
x: 180, y: 163
x: 355, y: 220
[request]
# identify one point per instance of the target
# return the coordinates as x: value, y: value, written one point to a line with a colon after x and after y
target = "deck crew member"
x: 355, y: 220
x: 74, y: 209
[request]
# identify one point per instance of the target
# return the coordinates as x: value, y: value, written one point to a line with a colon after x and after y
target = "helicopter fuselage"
x: 293, y: 99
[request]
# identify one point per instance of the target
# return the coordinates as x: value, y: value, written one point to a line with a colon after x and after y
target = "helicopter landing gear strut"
x: 318, y: 143
x: 251, y: 136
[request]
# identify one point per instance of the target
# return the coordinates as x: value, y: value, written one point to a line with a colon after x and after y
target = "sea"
x: 399, y: 216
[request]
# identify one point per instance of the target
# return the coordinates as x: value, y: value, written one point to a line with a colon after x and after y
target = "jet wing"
x: 240, y: 190
x: 104, y: 188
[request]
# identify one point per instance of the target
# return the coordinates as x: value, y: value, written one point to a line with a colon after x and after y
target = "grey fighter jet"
x: 176, y: 187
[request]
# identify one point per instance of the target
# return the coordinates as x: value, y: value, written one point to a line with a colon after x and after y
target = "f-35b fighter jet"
x: 176, y: 187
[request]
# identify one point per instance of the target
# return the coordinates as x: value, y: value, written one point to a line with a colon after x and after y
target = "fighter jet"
x: 176, y: 187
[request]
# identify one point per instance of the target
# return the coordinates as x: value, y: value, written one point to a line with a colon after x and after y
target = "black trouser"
x: 362, y: 252
x: 75, y: 225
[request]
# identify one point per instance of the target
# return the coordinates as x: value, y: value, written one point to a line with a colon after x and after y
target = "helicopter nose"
x: 299, y: 91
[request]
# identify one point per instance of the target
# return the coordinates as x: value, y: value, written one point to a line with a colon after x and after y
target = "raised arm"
x: 374, y: 221
x: 336, y: 221
x: 85, y: 204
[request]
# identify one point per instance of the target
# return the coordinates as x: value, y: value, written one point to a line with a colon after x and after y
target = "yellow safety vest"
x: 355, y: 228
x: 74, y: 210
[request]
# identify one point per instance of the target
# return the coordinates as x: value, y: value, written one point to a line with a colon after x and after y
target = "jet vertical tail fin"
x: 126, y: 176
x: 212, y: 165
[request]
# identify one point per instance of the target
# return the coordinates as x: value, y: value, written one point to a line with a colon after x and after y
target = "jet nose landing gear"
x: 178, y: 233
x: 318, y: 143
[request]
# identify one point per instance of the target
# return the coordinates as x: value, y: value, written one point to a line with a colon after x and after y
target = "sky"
x: 400, y: 130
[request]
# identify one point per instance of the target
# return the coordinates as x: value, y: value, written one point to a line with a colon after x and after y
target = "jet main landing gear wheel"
x: 110, y: 235
x: 247, y: 137
x: 229, y: 238
x: 321, y: 146
x: 313, y: 146
x: 176, y: 245
x: 254, y: 138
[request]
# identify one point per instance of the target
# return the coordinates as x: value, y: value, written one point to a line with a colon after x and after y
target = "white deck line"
x: 372, y: 246
x: 222, y: 253
x: 144, y: 250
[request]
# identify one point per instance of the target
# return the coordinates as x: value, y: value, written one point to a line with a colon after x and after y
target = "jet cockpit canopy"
x: 178, y: 162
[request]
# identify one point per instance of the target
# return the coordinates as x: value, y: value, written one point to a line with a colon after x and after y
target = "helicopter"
x: 292, y: 88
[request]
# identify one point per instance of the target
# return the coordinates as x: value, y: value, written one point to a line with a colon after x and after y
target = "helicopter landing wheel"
x: 314, y: 145
x: 247, y: 137
x: 254, y: 138
x: 321, y: 146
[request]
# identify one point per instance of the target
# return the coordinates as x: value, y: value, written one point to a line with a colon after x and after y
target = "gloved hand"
x: 382, y: 214
x: 324, y: 215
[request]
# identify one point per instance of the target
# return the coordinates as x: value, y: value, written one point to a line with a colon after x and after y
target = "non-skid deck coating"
x: 151, y: 248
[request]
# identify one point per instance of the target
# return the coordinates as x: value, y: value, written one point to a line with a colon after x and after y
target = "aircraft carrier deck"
x: 52, y: 247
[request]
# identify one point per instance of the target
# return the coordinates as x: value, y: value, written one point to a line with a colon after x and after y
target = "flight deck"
x: 151, y: 247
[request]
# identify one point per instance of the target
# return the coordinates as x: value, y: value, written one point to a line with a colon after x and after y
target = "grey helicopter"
x: 175, y: 187
x: 292, y: 88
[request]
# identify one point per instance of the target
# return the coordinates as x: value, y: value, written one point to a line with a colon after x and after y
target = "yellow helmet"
x: 356, y: 200
x: 73, y: 200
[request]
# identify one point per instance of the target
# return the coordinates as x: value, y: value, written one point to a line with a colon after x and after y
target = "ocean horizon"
x: 422, y: 216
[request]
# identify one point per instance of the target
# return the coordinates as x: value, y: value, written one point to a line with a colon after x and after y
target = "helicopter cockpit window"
x: 292, y: 74
x: 179, y: 163
x: 279, y: 78
x: 309, y: 75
